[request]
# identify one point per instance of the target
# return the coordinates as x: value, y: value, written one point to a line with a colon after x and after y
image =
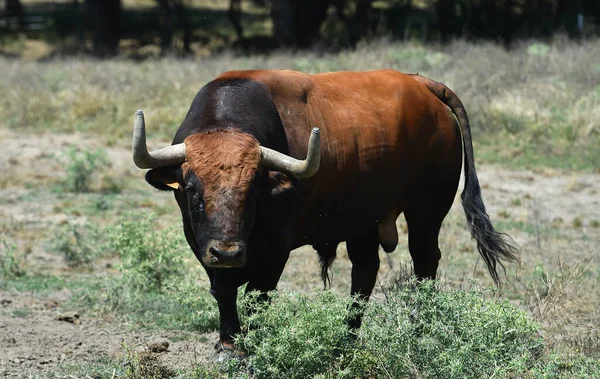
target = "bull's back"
x: 382, y: 134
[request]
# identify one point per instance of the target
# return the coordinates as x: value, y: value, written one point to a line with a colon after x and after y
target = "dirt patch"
x: 35, y: 336
x: 548, y: 195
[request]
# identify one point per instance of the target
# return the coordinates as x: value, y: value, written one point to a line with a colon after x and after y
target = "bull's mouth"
x: 221, y: 254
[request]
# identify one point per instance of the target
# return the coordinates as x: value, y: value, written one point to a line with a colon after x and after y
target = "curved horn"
x: 300, y: 169
x: 174, y: 154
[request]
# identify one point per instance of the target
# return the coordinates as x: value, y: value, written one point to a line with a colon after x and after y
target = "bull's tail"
x: 493, y: 247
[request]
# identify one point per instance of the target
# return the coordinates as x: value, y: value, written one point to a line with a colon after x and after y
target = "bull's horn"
x: 300, y: 169
x: 166, y: 156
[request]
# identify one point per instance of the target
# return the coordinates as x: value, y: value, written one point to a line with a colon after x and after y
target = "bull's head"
x: 215, y: 176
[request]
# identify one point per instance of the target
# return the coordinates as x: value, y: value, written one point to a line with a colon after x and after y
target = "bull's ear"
x: 163, y: 178
x: 280, y: 183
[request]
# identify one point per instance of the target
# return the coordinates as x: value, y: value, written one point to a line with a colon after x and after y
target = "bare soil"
x: 35, y: 335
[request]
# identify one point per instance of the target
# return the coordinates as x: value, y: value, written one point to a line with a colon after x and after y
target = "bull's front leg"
x: 229, y: 320
x: 224, y: 285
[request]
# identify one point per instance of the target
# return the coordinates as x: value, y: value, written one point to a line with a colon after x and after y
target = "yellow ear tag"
x: 174, y: 185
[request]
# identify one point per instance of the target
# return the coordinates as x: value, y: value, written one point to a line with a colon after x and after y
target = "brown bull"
x: 388, y: 143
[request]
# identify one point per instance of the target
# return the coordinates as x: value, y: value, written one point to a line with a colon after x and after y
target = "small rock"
x: 158, y: 345
x: 10, y: 341
x: 72, y: 317
x: 6, y: 302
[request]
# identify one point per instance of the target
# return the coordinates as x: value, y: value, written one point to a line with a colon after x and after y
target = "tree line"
x: 302, y: 23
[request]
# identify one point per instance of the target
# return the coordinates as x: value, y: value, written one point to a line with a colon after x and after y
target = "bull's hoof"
x: 225, y: 351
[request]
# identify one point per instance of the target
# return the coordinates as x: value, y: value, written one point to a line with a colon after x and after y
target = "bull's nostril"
x: 225, y: 254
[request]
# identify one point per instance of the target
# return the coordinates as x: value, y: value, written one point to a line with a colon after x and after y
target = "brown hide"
x: 226, y: 161
x: 384, y: 138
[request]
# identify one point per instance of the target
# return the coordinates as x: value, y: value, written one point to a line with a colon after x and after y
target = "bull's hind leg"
x: 364, y: 255
x: 424, y: 218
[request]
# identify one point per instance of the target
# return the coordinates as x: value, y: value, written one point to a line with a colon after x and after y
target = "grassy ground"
x: 532, y: 106
x: 71, y: 206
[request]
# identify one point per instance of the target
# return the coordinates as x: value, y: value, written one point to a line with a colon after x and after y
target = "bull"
x: 254, y: 179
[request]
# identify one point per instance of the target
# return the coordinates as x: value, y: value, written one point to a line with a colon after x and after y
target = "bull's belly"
x: 331, y: 225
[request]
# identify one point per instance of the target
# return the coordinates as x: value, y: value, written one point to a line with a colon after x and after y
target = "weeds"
x: 80, y: 244
x: 549, y: 296
x: 81, y: 168
x: 12, y: 264
x: 150, y: 260
x: 156, y: 286
x: 145, y: 365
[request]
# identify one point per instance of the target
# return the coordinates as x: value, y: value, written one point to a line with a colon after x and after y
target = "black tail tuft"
x: 326, y: 258
x: 493, y: 247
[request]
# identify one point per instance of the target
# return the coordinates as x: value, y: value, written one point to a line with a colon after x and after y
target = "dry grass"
x: 541, y: 102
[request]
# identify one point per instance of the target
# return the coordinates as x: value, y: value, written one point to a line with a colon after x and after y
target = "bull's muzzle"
x: 225, y: 254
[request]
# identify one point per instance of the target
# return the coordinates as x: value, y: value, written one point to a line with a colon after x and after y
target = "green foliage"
x: 21, y: 312
x: 150, y: 259
x: 555, y: 366
x: 101, y: 366
x: 81, y: 166
x: 297, y: 336
x: 194, y: 306
x: 427, y: 332
x: 184, y: 307
x: 12, y: 264
x: 79, y: 243
x: 156, y: 286
x: 434, y: 332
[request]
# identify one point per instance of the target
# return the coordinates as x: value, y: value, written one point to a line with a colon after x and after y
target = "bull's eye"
x: 196, y: 207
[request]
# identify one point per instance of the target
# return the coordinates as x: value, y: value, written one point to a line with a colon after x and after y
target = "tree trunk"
x: 310, y: 15
x: 445, y: 15
x: 167, y: 20
x: 360, y: 27
x: 14, y: 8
x: 105, y: 18
x: 187, y: 28
x: 79, y: 25
x: 284, y: 26
x: 235, y: 17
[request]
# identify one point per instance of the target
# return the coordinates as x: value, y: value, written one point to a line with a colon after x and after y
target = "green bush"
x: 81, y: 166
x: 450, y: 333
x: 12, y: 265
x: 429, y: 333
x: 296, y: 336
x: 150, y: 259
x: 155, y: 286
x: 79, y: 244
